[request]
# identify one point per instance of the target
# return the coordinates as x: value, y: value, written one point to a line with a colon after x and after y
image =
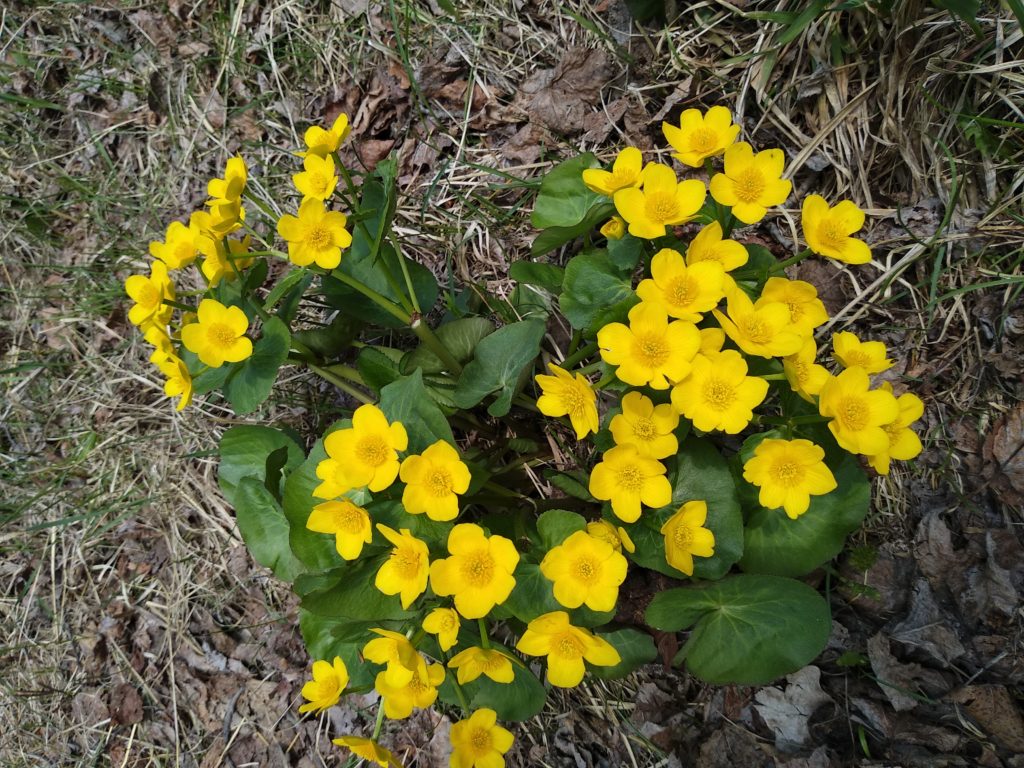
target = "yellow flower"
x: 803, y: 374
x: 625, y: 173
x: 806, y: 311
x: 628, y: 480
x: 685, y: 292
x: 323, y: 142
x: 586, y: 571
x: 718, y: 394
x: 420, y: 691
x: 366, y: 454
x: 221, y: 220
x: 566, y: 647
x: 788, y: 472
x: 349, y: 524
x: 178, y: 248
x: 479, y: 742
x: 699, y: 136
x: 646, y: 426
x: 564, y: 395
x: 479, y: 571
x: 617, y: 538
x: 369, y: 750
x: 849, y: 351
x: 711, y: 341
x: 434, y: 479
x: 163, y: 346
x: 473, y: 662
x: 149, y: 293
x: 614, y: 228
x: 858, y: 414
x: 407, y: 567
x: 904, y: 443
x: 224, y: 258
x: 751, y: 183
x: 443, y: 622
x: 764, y: 330
x: 230, y: 188
x: 318, y: 179
x: 651, y: 350
x: 324, y: 690
x: 686, y: 536
x: 179, y: 381
x: 662, y: 202
x: 218, y: 336
x: 316, y: 235
x: 828, y: 230
x: 708, y: 245
x: 394, y: 650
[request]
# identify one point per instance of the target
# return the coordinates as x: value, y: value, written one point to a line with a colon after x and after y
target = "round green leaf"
x: 264, y: 529
x: 556, y: 525
x: 497, y: 364
x: 244, y: 451
x: 459, y: 337
x: 250, y: 384
x: 348, y: 592
x: 595, y: 292
x: 406, y: 400
x: 564, y: 199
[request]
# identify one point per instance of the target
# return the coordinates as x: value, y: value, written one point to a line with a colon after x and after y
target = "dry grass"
x: 120, y: 561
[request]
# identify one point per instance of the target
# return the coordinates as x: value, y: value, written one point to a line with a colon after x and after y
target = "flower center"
x: 326, y: 689
x: 682, y: 291
x: 787, y: 472
x: 682, y: 536
x: 749, y: 185
x: 221, y: 335
x: 372, y: 450
x: 481, y: 740
x: 796, y: 311
x: 893, y: 431
x: 643, y: 428
x: 319, y: 238
x: 587, y: 570
x: 718, y: 394
x: 574, y: 399
x: 317, y: 182
x: 857, y: 358
x: 853, y: 414
x: 661, y: 207
x: 149, y: 296
x: 802, y: 371
x: 407, y: 562
x: 704, y: 140
x: 568, y: 646
x: 440, y: 483
x: 349, y: 519
x: 622, y: 179
x: 756, y: 329
x: 630, y: 478
x: 651, y: 350
x: 417, y: 687
x: 832, y: 234
x: 478, y: 569
x: 184, y: 251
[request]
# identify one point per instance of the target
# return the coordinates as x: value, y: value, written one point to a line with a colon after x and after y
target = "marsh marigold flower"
x: 859, y: 414
x: 586, y: 570
x: 395, y: 651
x: 163, y: 347
x: 405, y: 571
x: 904, y: 443
x: 686, y: 537
x: 849, y: 351
x: 625, y: 173
x: 751, y: 184
x: 473, y: 662
x: 224, y: 259
x: 650, y: 350
x: 316, y: 235
x: 804, y: 375
x: 662, y: 202
x: 646, y: 426
x: 718, y: 394
x: 711, y: 341
x: 324, y: 690
x: 443, y: 622
x: 700, y: 136
x: 685, y: 292
x: 566, y: 647
x: 806, y: 310
x: 788, y: 473
x: 369, y: 750
x: 479, y: 571
x: 614, y: 228
x: 178, y: 249
x: 709, y: 245
x: 616, y: 536
x: 149, y: 293
x: 318, y: 178
x: 828, y: 230
x: 323, y: 142
x: 179, y: 380
x: 627, y: 480
x: 764, y: 330
x: 420, y: 692
x: 566, y: 395
x: 228, y: 189
x: 433, y: 481
x: 218, y: 335
x: 366, y: 454
x: 479, y: 742
x: 349, y: 524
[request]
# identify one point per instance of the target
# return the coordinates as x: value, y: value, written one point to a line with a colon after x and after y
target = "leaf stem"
x: 781, y: 265
x: 581, y: 354
x: 485, y: 641
x: 340, y: 383
x: 429, y: 338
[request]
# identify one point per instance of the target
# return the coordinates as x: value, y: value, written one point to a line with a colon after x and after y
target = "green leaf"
x: 750, y: 629
x: 515, y: 702
x: 379, y: 366
x: 496, y: 367
x: 556, y: 525
x: 595, y: 291
x: 459, y: 337
x: 406, y: 400
x: 251, y: 383
x: 534, y: 596
x: 625, y: 252
x: 546, y: 276
x: 574, y: 485
x: 700, y: 474
x: 775, y: 544
x: 264, y: 529
x: 326, y: 637
x: 244, y: 451
x: 564, y: 199
x: 348, y: 592
x: 555, y: 237
x: 331, y: 340
x: 316, y: 550
x: 635, y: 648
x: 392, y: 514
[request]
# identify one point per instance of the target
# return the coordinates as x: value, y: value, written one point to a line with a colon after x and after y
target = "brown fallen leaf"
x: 125, y: 705
x: 994, y: 710
x: 561, y: 98
x: 1004, y: 457
x: 788, y: 712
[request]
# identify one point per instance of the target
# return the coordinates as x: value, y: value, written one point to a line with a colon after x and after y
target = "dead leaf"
x: 927, y: 627
x: 898, y: 681
x: 561, y: 98
x: 125, y: 705
x: 1004, y: 457
x: 372, y: 151
x: 994, y: 710
x: 989, y: 595
x: 731, y: 746
x: 788, y: 712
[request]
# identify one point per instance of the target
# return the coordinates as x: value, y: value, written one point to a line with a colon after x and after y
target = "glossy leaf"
x: 564, y: 199
x: 496, y: 367
x: 249, y: 385
x: 595, y: 292
x: 406, y: 400
x: 264, y: 529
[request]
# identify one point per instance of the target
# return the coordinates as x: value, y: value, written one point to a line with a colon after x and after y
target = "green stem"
x: 381, y: 301
x: 773, y: 376
x: 781, y: 265
x: 340, y: 383
x: 380, y: 720
x: 428, y: 337
x: 179, y: 305
x: 485, y: 641
x: 605, y: 381
x: 793, y: 420
x: 405, y: 271
x: 346, y: 372
x: 581, y: 354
